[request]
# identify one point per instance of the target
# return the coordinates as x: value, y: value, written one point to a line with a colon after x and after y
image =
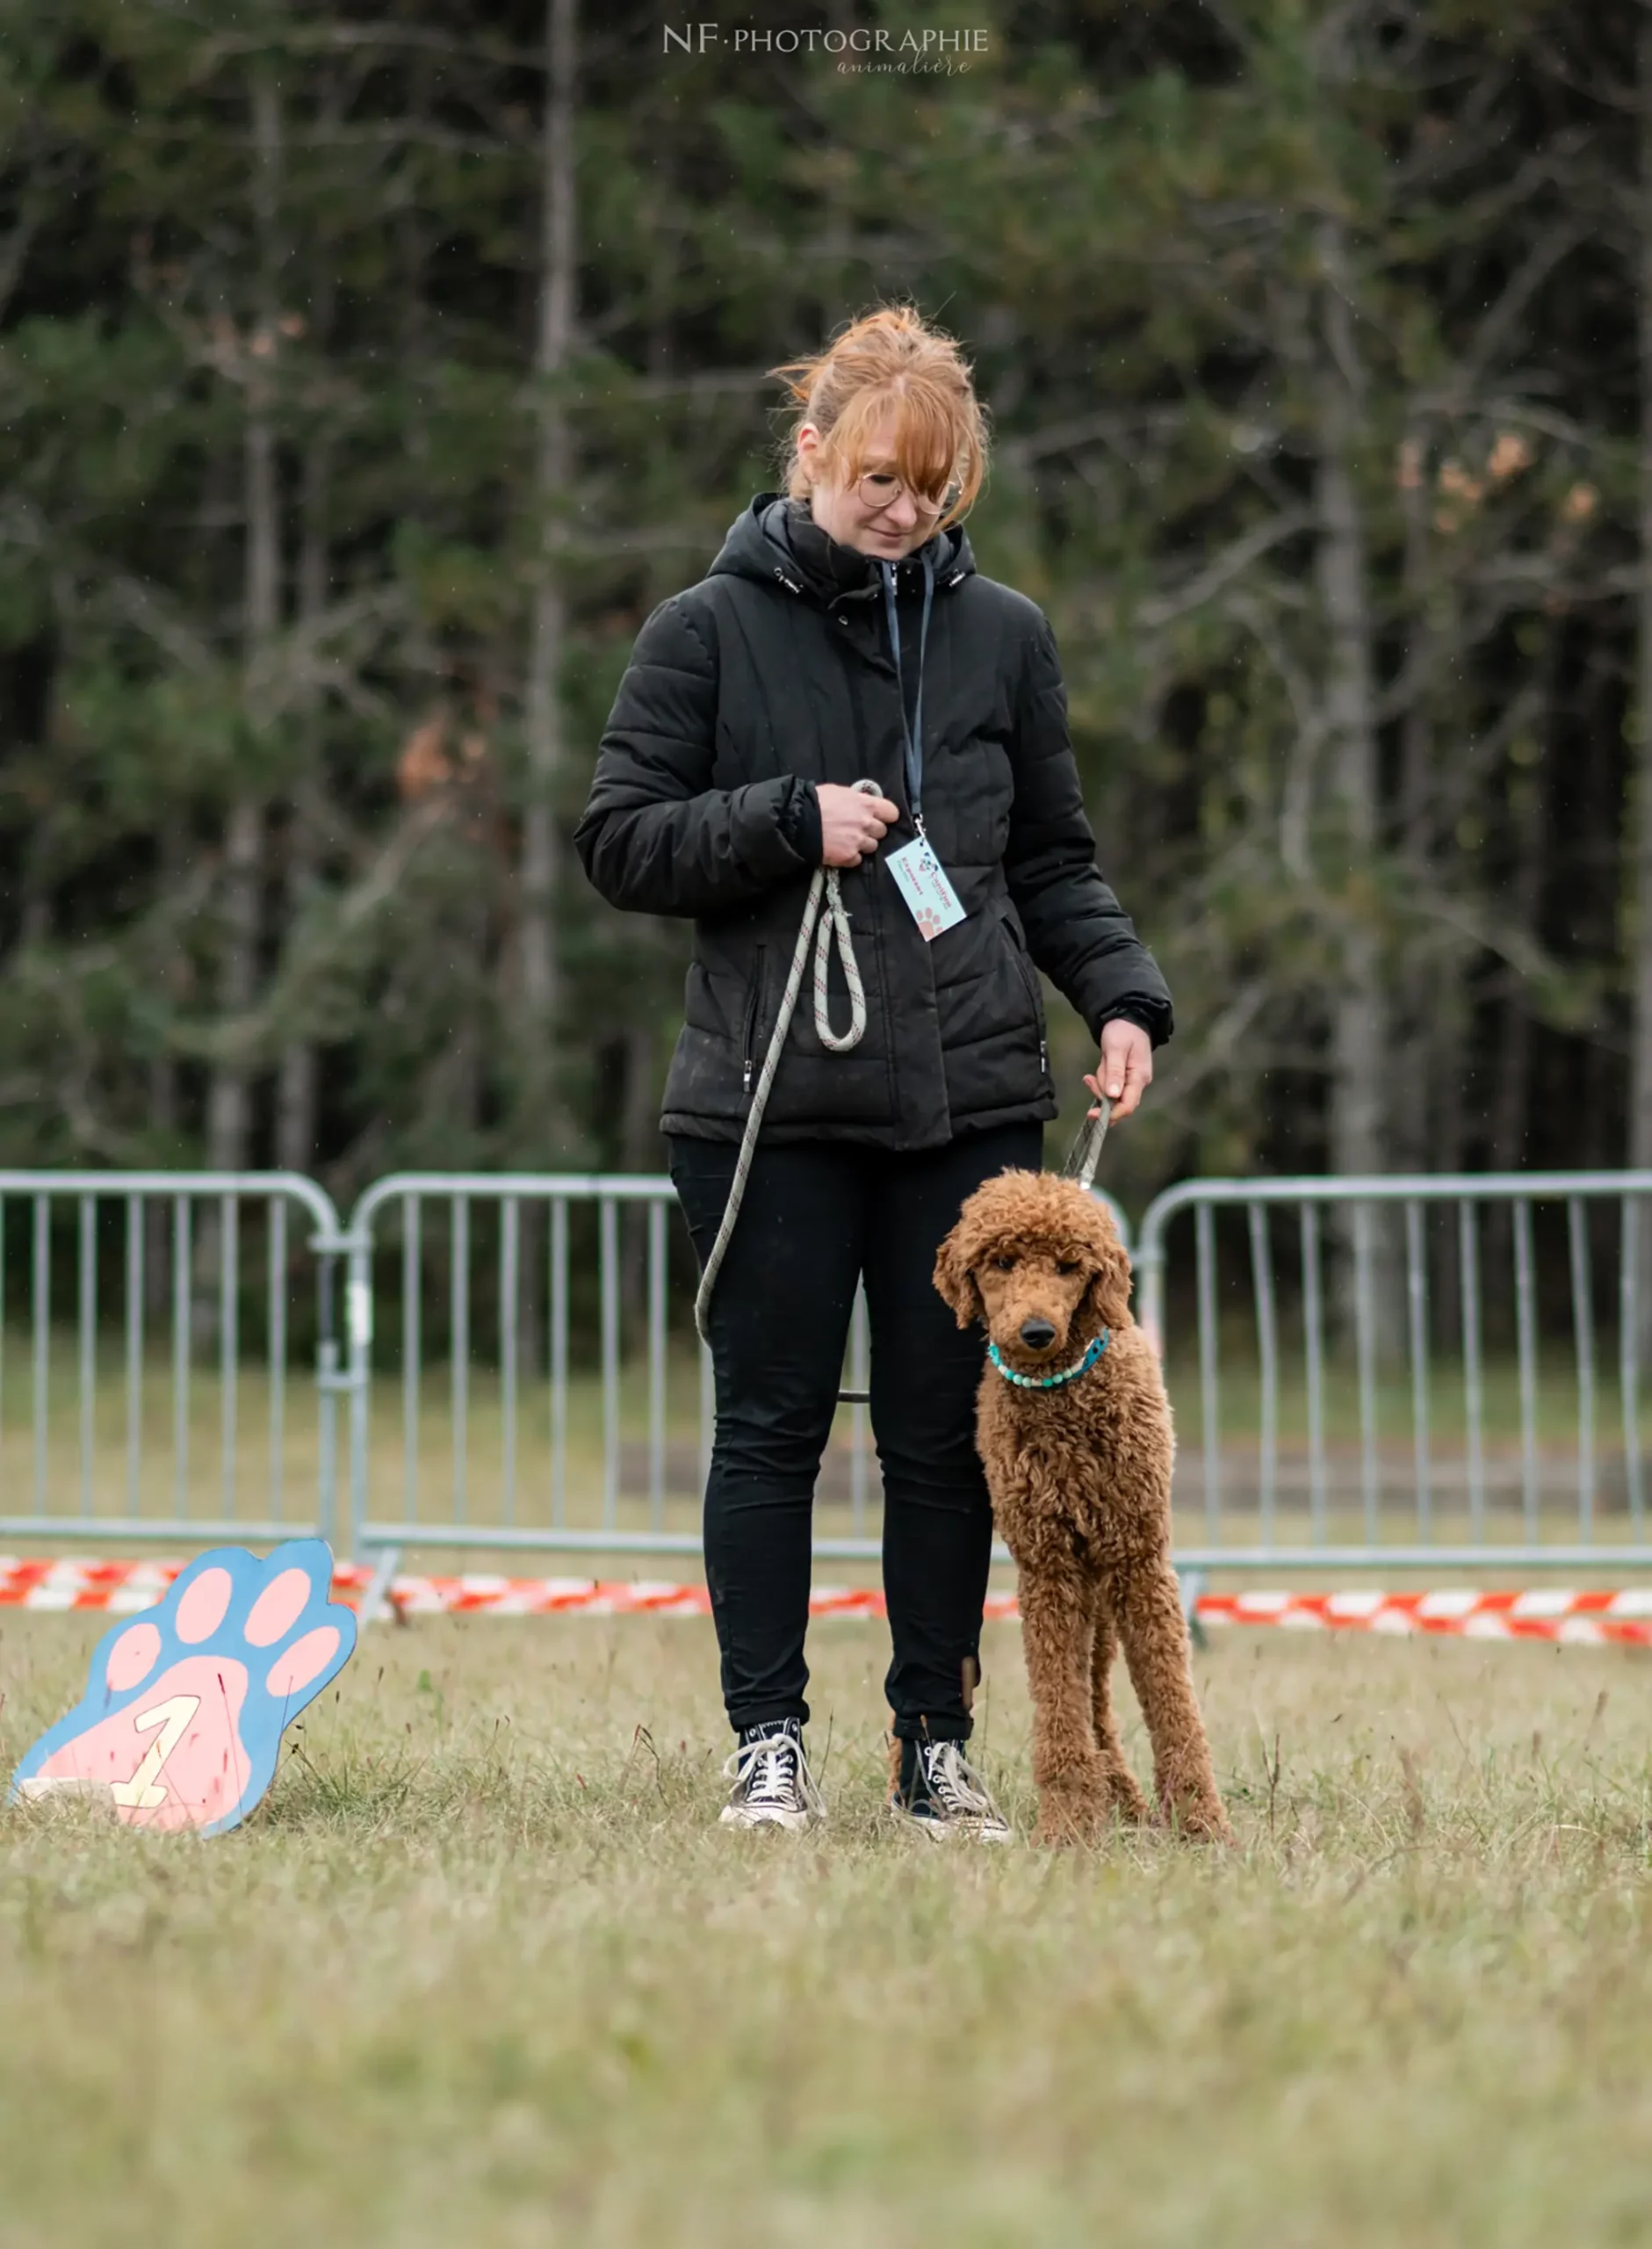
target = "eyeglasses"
x: 878, y: 490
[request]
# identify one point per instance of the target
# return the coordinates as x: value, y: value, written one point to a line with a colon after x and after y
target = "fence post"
x: 1149, y: 1273
x: 327, y: 1387
x: 359, y: 1314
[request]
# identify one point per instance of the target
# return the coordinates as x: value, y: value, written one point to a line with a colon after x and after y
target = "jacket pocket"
x: 753, y: 1018
x: 1029, y: 984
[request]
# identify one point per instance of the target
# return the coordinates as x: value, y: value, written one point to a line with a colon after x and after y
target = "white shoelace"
x: 775, y: 1773
x: 958, y: 1788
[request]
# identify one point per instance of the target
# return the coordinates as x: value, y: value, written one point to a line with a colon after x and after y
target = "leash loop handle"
x: 821, y: 929
x: 834, y: 923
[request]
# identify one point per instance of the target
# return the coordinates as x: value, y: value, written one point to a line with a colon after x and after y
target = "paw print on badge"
x: 929, y: 923
x: 181, y: 1722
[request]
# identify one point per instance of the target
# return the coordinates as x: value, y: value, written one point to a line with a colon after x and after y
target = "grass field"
x: 484, y: 1971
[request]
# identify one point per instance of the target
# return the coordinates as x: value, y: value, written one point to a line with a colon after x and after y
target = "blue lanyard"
x: 913, y: 734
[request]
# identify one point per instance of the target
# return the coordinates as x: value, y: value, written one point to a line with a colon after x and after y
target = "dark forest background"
x: 366, y: 378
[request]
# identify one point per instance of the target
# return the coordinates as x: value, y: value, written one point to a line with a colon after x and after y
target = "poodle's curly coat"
x: 1079, y: 1477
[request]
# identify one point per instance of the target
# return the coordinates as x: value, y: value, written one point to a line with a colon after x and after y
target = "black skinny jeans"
x: 817, y: 1215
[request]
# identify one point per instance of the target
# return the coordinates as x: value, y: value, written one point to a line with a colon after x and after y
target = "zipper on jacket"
x: 1029, y: 978
x: 754, y: 998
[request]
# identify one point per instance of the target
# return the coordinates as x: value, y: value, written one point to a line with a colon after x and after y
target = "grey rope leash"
x: 1086, y: 1153
x: 823, y: 929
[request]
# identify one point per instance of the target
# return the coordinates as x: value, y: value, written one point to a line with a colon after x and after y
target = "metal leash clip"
x: 1086, y: 1153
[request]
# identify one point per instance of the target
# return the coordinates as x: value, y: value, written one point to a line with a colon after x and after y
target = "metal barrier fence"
x: 168, y: 1254
x: 1388, y: 1394
x: 1408, y: 1442
x: 569, y: 1419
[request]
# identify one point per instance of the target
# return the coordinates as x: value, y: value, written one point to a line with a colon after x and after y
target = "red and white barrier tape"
x: 1539, y: 1613
x: 119, y: 1588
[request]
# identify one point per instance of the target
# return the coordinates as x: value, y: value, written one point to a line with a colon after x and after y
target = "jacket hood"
x: 777, y: 539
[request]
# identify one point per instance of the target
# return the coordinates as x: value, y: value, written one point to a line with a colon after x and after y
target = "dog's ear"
x: 953, y: 1278
x: 1108, y: 1293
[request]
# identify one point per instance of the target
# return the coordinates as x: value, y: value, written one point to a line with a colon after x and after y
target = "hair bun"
x: 889, y: 360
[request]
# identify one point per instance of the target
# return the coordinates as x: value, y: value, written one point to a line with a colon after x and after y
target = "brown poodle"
x: 1078, y: 1466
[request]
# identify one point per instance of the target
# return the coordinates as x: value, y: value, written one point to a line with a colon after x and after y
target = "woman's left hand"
x: 1126, y: 1068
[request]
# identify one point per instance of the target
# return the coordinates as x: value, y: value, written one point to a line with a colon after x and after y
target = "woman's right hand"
x: 852, y: 824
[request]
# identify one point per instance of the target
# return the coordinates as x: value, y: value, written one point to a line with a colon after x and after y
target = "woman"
x: 844, y: 634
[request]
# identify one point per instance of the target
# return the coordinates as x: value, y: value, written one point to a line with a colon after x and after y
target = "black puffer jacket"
x: 774, y: 673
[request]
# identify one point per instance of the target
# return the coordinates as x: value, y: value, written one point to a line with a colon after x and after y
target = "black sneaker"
x: 773, y: 1786
x: 939, y: 1790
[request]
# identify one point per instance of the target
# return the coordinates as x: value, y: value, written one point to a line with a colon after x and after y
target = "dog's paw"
x: 1198, y: 1819
x: 1125, y: 1798
x: 1076, y: 1815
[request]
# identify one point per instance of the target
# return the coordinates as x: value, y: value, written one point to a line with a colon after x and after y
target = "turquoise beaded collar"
x: 1050, y: 1381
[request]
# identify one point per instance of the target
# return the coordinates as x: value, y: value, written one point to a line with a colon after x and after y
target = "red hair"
x: 890, y: 359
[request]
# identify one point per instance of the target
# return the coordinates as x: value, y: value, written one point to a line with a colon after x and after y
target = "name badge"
x: 922, y: 882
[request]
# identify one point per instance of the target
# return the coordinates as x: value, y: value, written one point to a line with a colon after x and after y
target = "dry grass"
x: 485, y: 1971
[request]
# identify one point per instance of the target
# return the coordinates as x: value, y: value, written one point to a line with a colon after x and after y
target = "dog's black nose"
x: 1037, y: 1334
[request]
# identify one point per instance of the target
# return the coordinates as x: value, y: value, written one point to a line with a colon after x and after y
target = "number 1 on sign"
x: 143, y: 1792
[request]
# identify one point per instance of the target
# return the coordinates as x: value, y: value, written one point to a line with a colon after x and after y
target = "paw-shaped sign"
x: 181, y: 1722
